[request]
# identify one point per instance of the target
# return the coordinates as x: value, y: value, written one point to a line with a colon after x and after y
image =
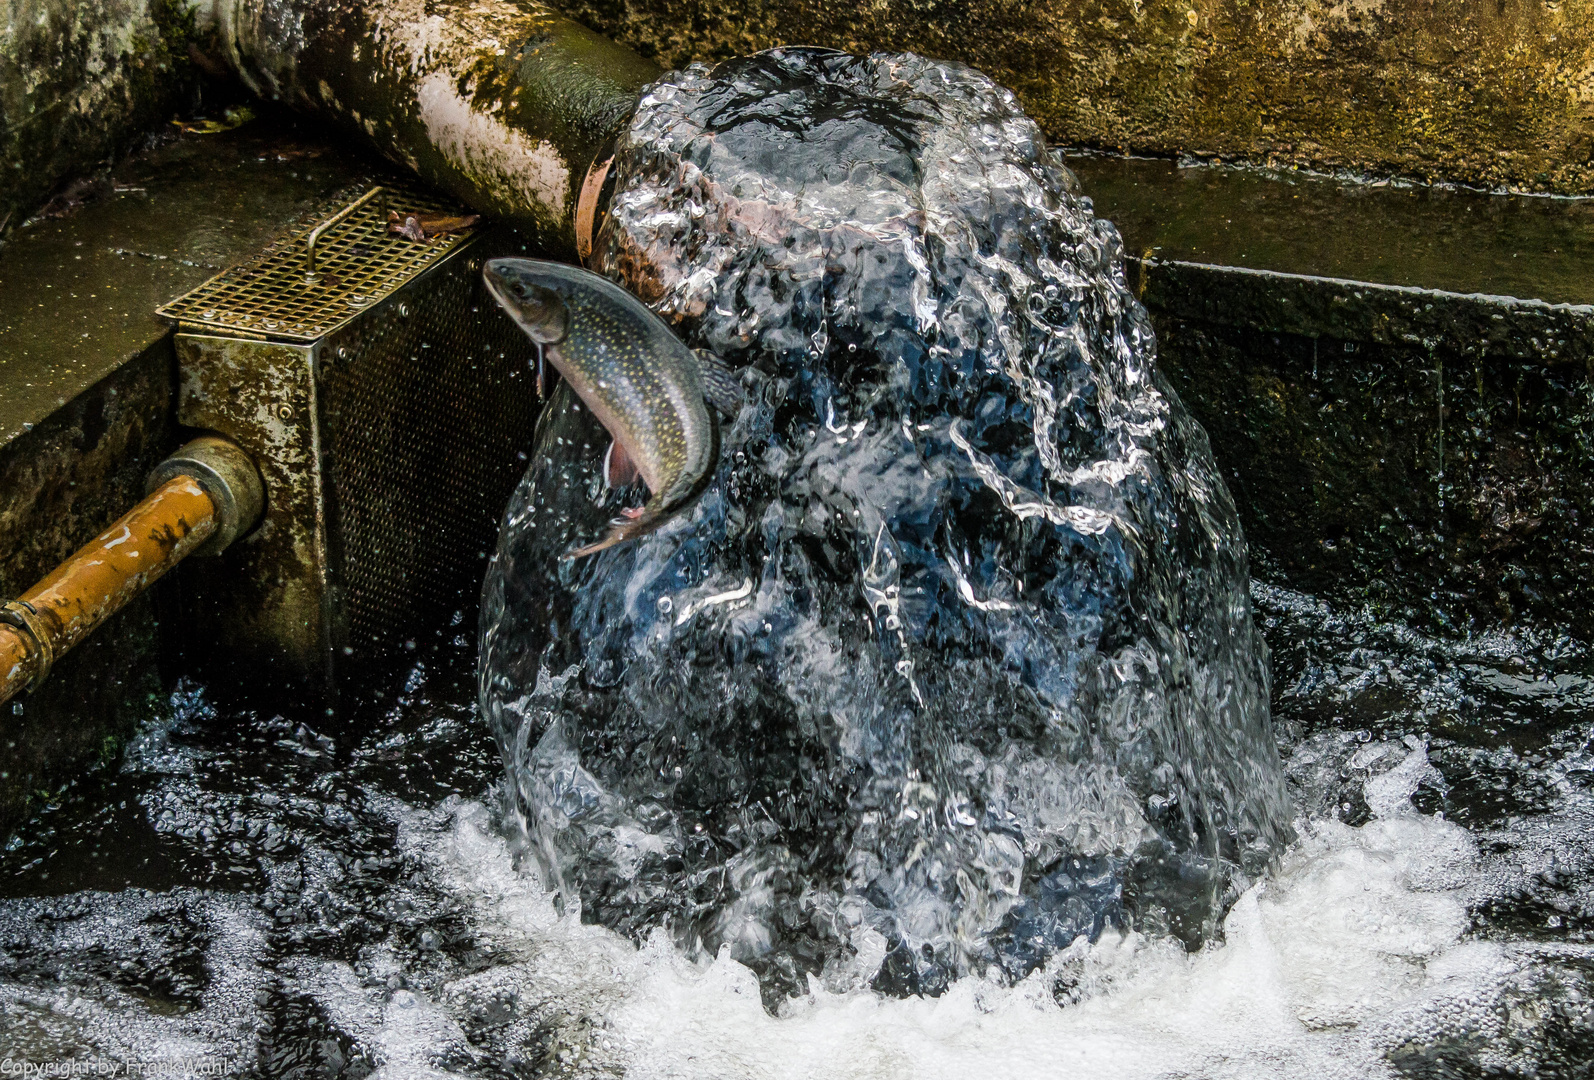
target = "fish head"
x: 524, y: 291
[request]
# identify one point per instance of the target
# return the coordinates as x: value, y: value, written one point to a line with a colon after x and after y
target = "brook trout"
x: 650, y: 392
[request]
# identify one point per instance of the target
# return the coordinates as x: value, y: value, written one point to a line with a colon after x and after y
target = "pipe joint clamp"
x: 24, y: 618
x: 228, y: 476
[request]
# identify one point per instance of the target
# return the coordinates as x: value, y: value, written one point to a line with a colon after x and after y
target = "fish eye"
x: 520, y: 290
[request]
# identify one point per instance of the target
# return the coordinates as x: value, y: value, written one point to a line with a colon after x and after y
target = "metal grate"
x: 423, y: 417
x: 286, y: 293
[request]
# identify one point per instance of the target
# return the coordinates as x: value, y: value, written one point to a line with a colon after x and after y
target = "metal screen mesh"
x: 358, y: 263
x: 387, y: 401
x: 426, y: 405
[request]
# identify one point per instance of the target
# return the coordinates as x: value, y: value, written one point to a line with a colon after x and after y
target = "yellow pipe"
x: 13, y: 661
x: 103, y: 576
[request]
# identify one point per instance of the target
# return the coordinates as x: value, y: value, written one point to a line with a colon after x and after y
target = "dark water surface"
x: 240, y: 890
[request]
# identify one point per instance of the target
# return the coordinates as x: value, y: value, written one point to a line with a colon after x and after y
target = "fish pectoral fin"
x: 542, y: 376
x: 618, y: 468
x: 721, y: 388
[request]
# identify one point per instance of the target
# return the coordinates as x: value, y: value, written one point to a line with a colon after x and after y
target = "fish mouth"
x: 494, y: 280
x: 500, y: 276
x: 536, y: 306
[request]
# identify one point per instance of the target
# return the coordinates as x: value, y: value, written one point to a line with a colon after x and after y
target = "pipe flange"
x: 597, y: 187
x: 24, y: 617
x: 228, y: 476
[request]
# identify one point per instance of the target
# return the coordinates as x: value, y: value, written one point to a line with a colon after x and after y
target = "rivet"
x: 285, y: 412
x: 404, y: 310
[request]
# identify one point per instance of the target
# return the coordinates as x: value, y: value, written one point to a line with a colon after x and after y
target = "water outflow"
x: 954, y: 662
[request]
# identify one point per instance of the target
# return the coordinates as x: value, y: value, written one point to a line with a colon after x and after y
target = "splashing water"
x: 954, y: 663
x: 242, y: 892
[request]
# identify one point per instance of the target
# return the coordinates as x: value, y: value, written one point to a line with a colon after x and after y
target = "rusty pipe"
x: 505, y: 103
x: 203, y: 497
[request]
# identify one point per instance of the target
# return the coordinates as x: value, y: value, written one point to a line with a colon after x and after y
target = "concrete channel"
x: 1397, y: 380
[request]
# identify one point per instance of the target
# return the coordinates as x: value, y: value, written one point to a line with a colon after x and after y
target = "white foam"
x: 1356, y: 943
x: 1360, y: 944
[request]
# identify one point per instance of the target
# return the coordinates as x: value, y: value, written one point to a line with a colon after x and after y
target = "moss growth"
x: 80, y: 84
x: 1491, y: 92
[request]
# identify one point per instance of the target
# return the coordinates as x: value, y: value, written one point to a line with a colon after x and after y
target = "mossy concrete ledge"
x: 80, y: 82
x: 1426, y: 452
x: 87, y: 389
x: 1398, y: 381
x: 1489, y: 92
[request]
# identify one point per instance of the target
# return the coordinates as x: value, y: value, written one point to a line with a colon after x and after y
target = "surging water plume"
x: 954, y: 662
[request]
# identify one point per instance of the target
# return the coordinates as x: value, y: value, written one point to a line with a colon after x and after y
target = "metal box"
x: 387, y: 403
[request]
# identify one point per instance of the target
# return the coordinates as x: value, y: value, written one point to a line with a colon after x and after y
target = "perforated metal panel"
x: 314, y: 280
x: 389, y: 445
x: 423, y: 419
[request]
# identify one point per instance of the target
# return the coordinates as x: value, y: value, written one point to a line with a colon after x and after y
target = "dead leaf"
x: 230, y: 119
x: 408, y: 227
x: 424, y: 227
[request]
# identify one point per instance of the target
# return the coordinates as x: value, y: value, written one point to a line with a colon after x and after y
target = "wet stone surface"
x: 953, y: 662
x: 1431, y: 237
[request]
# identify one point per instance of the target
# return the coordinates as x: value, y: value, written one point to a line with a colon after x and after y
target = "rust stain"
x: 106, y: 573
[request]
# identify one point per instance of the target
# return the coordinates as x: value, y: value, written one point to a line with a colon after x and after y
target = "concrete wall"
x: 1491, y: 92
x: 60, y: 484
x: 80, y: 82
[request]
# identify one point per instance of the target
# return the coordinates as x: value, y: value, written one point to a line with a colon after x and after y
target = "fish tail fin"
x: 721, y: 388
x: 660, y: 509
x: 621, y: 529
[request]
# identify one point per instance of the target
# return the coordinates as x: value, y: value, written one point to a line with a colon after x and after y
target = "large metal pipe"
x: 501, y: 102
x: 203, y: 497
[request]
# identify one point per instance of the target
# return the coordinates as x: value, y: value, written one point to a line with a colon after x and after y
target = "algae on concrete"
x: 87, y: 383
x: 1487, y: 92
x: 81, y: 82
x: 1421, y: 450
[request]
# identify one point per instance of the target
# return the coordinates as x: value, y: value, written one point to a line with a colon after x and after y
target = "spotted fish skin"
x: 641, y: 382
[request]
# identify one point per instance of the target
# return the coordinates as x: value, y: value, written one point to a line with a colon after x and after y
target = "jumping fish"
x: 644, y: 385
